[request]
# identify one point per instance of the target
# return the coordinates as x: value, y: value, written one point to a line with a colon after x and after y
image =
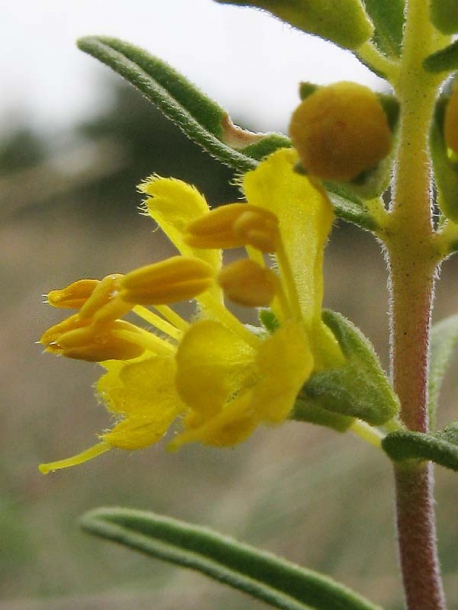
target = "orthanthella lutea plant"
x: 387, y: 163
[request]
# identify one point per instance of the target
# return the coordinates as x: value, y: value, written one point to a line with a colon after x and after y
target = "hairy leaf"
x: 262, y: 575
x: 441, y: 447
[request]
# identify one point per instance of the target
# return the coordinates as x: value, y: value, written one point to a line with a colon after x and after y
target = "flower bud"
x: 340, y: 131
x: 247, y: 283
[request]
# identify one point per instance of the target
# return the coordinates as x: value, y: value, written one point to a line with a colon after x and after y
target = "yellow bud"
x: 451, y: 122
x: 340, y: 131
x: 175, y: 279
x: 247, y: 283
x: 96, y: 343
x: 72, y: 296
x: 233, y: 226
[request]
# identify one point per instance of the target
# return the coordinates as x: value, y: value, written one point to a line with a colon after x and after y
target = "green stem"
x: 413, y: 261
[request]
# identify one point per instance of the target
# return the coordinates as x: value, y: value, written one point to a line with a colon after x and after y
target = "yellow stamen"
x: 233, y: 226
x: 104, y: 292
x: 114, y: 309
x: 172, y: 317
x: 96, y: 343
x: 72, y: 296
x: 259, y: 228
x: 216, y: 229
x: 289, y: 297
x: 175, y: 279
x: 247, y: 283
x: 158, y: 322
x: 85, y: 456
x: 51, y: 336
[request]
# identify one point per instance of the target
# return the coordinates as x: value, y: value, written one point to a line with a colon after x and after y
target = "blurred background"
x: 74, y: 143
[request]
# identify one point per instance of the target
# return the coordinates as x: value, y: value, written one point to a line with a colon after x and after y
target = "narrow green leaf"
x: 388, y: 19
x: 359, y: 388
x: 343, y: 22
x: 445, y: 60
x: 260, y: 574
x: 441, y: 447
x: 198, y: 116
x: 444, y: 344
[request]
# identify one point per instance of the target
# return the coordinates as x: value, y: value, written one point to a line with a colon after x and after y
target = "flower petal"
x: 213, y: 364
x: 285, y: 362
x: 144, y: 394
x: 173, y: 204
x: 305, y: 215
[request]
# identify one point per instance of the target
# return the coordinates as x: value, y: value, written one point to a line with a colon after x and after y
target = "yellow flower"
x: 220, y: 377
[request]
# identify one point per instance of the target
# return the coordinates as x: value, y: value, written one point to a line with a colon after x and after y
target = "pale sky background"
x: 241, y: 57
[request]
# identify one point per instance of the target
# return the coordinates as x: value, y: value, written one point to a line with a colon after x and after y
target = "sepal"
x: 359, y: 388
x: 444, y: 15
x: 344, y: 22
x: 388, y: 19
x: 306, y: 410
x: 440, y: 447
x: 445, y: 168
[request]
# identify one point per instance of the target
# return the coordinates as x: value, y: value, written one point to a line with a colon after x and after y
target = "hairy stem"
x: 413, y: 262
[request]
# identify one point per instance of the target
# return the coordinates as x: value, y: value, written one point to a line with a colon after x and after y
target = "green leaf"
x: 388, y: 19
x: 198, y: 116
x: 444, y: 15
x: 343, y: 22
x: 445, y: 60
x: 359, y: 388
x: 441, y: 447
x: 445, y: 169
x: 444, y: 343
x: 262, y: 575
